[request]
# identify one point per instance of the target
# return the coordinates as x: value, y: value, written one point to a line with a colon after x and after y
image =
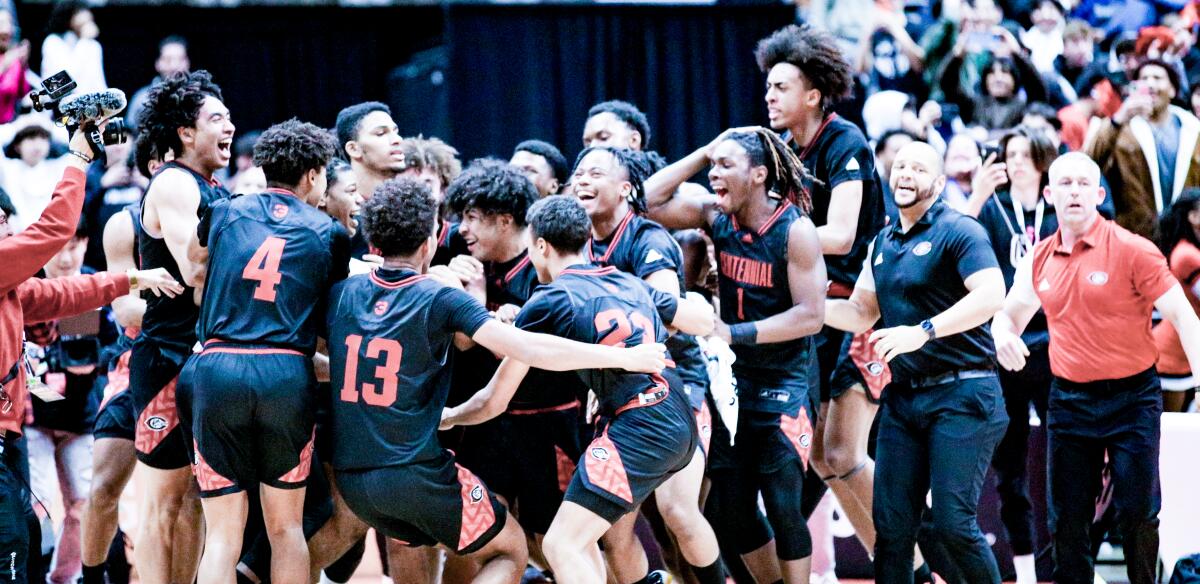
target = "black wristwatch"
x: 928, y: 328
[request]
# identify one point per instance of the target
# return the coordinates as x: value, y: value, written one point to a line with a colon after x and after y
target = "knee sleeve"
x: 785, y: 511
x: 342, y: 569
x: 737, y: 528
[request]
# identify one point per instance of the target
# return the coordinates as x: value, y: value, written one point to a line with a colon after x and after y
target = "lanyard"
x: 1022, y: 241
x: 1032, y: 235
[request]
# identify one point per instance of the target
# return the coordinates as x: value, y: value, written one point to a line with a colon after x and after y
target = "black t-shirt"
x: 839, y: 154
x: 920, y: 274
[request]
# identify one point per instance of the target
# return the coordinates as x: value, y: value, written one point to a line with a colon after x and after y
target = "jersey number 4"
x: 263, y: 268
x: 385, y: 350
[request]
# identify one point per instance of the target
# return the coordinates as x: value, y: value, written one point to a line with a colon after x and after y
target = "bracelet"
x: 80, y: 156
x: 743, y: 333
x: 132, y: 274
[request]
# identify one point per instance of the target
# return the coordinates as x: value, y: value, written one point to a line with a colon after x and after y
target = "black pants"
x: 1086, y: 420
x: 938, y: 439
x: 14, y: 512
x: 1029, y: 385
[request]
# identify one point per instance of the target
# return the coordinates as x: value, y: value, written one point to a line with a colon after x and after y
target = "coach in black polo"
x: 933, y: 281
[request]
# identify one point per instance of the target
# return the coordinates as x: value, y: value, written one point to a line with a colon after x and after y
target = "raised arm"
x: 119, y: 243
x: 26, y: 252
x: 675, y: 207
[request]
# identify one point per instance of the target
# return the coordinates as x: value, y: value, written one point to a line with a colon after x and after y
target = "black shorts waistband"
x: 1109, y: 386
x: 219, y: 346
x: 949, y: 377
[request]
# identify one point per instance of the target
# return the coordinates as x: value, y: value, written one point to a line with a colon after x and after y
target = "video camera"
x: 86, y: 110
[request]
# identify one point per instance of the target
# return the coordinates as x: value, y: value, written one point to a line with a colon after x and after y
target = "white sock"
x: 1026, y: 570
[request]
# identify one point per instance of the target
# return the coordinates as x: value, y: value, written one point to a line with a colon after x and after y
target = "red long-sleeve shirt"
x: 25, y: 299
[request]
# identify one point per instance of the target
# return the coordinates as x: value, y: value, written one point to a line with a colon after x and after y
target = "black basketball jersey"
x: 390, y: 334
x: 272, y: 259
x: 173, y: 320
x: 609, y: 307
x: 640, y: 246
x: 135, y: 215
x: 753, y: 283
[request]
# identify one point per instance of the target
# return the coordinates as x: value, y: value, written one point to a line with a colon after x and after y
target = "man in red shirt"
x: 1098, y: 285
x: 26, y: 300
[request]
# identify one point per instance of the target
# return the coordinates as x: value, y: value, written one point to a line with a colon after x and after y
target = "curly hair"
x: 399, y: 216
x: 637, y: 166
x: 626, y: 112
x: 494, y: 187
x: 816, y: 54
x: 336, y: 170
x: 288, y: 150
x: 175, y: 103
x: 785, y: 173
x: 1174, y: 226
x: 562, y: 222
x: 421, y: 152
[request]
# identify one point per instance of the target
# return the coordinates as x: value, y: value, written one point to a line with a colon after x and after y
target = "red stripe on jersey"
x: 604, y: 468
x: 561, y: 408
x: 477, y: 513
x: 876, y: 372
x: 157, y: 420
x: 208, y: 478
x: 118, y: 379
x: 613, y: 245
x: 402, y: 283
x: 300, y: 472
x: 516, y: 269
x: 799, y: 433
x: 566, y: 468
x: 589, y: 271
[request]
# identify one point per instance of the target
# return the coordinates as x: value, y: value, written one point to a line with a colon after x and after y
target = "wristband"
x: 132, y: 274
x: 743, y: 333
x: 80, y: 156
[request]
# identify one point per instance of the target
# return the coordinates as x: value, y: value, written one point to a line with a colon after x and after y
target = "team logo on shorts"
x: 922, y: 248
x: 279, y: 211
x: 805, y: 440
x: 1098, y: 278
x: 875, y: 368
x: 156, y: 423
x: 600, y: 453
x: 477, y: 494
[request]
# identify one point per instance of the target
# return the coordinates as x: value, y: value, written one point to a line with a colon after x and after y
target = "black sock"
x: 645, y: 580
x: 93, y: 574
x: 713, y: 573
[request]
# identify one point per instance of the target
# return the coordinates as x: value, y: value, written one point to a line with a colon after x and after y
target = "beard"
x: 922, y: 194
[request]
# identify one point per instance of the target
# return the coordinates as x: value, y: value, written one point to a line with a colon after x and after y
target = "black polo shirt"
x: 920, y: 274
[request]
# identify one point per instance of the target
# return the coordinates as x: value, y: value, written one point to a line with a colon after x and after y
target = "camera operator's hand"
x: 81, y: 148
x: 157, y: 281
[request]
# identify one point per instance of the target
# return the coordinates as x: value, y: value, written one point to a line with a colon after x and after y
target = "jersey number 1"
x: 263, y: 267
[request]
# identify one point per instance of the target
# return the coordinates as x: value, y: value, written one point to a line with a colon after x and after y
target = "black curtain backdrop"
x: 519, y: 72
x: 272, y: 63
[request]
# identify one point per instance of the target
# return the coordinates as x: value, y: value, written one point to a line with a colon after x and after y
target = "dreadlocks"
x: 637, y: 166
x: 785, y: 173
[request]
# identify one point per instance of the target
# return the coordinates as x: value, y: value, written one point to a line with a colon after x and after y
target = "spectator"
x: 29, y: 174
x: 14, y: 66
x: 1045, y: 38
x: 242, y: 151
x: 71, y: 45
x: 1078, y: 54
x: 1009, y: 81
x: 963, y: 160
x: 889, y: 56
x: 1147, y: 151
x: 172, y: 58
x: 1179, y: 240
x: 1114, y: 17
x: 1043, y: 117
